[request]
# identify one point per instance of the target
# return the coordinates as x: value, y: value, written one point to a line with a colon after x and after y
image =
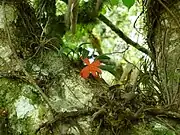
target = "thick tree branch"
x: 162, y: 112
x: 123, y: 36
x: 65, y: 117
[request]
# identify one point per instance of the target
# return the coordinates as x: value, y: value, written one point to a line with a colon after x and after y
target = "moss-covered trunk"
x: 37, y: 82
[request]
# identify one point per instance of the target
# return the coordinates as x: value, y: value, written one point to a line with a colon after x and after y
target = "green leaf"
x: 85, y: 53
x: 128, y: 3
x: 114, y: 2
x: 103, y: 57
x: 103, y: 11
x: 109, y: 68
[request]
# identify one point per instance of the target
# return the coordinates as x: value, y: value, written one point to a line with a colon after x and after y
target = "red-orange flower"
x: 92, y: 68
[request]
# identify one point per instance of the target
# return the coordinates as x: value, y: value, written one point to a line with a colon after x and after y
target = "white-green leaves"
x: 128, y: 3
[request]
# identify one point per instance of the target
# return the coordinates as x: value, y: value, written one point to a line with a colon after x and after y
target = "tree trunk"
x: 164, y: 41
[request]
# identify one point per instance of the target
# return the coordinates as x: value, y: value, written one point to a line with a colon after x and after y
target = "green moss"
x: 10, y: 90
x: 152, y: 128
x: 22, y: 126
x: 42, y: 112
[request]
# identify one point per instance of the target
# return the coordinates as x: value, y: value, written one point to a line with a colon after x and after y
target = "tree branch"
x: 123, y: 36
x: 64, y: 117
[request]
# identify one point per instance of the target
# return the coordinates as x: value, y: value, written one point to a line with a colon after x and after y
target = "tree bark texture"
x: 164, y: 41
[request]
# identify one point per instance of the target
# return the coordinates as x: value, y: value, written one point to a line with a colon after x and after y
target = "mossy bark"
x: 23, y: 108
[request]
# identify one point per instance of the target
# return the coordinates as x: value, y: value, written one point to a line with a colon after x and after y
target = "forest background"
x: 89, y: 67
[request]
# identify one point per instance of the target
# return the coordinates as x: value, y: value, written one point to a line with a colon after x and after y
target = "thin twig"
x: 117, y: 52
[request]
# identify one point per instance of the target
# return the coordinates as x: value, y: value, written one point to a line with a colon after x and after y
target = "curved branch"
x: 123, y: 36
